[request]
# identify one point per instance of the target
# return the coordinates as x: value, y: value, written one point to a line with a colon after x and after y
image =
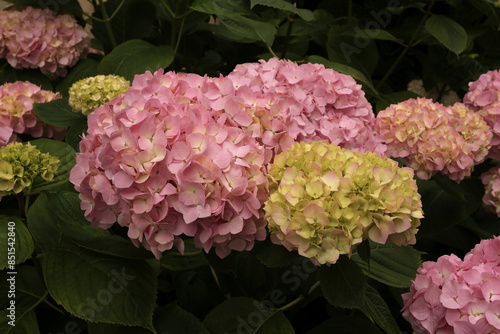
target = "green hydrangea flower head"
x: 20, y: 164
x: 89, y: 93
x: 324, y: 200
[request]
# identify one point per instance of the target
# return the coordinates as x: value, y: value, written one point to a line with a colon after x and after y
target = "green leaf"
x: 246, y: 315
x: 446, y: 203
x: 58, y: 113
x: 27, y: 324
x: 84, y: 69
x: 173, y: 319
x: 192, y: 258
x: 101, y: 328
x: 284, y: 5
x: 275, y: 256
x: 135, y: 57
x: 377, y: 309
x: 448, y: 32
x: 54, y: 216
x: 347, y: 324
x: 390, y: 264
x: 222, y: 7
x: 392, y: 98
x: 99, y: 287
x: 10, y: 74
x: 345, y: 69
x: 343, y: 284
x: 251, y: 29
x: 66, y: 155
x: 16, y: 243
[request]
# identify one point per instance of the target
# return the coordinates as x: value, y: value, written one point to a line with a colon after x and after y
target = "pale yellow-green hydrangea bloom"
x: 324, y: 200
x: 20, y: 164
x: 89, y: 93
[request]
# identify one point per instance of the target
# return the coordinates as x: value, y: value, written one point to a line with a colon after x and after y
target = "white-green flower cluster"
x: 89, y: 93
x: 20, y: 164
x: 324, y: 200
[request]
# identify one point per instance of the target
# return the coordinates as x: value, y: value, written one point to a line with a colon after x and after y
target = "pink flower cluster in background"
x: 159, y: 164
x: 432, y: 138
x: 16, y: 116
x: 491, y: 182
x: 36, y: 38
x: 308, y: 102
x: 484, y: 96
x: 455, y: 296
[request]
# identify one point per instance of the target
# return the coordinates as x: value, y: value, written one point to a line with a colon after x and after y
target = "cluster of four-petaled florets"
x: 185, y: 154
x: 457, y: 296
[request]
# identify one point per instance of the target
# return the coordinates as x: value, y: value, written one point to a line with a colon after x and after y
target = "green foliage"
x: 73, y: 275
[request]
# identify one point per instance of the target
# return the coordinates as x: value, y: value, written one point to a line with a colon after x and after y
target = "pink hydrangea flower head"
x: 324, y: 200
x: 157, y: 162
x: 16, y: 112
x: 431, y: 138
x: 484, y: 97
x: 455, y: 296
x: 491, y: 182
x: 36, y: 38
x: 308, y: 102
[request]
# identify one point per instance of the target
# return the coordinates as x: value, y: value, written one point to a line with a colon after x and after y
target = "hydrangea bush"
x: 431, y: 138
x: 89, y: 93
x: 324, y: 200
x: 253, y: 166
x: 16, y: 112
x: 453, y: 295
x: 20, y: 164
x: 484, y: 97
x: 163, y: 167
x: 36, y: 38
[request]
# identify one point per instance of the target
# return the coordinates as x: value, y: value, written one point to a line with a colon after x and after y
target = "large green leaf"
x: 446, y: 203
x: 377, y: 309
x: 84, y: 69
x: 306, y: 14
x: 27, y: 324
x: 56, y: 216
x: 135, y: 57
x: 222, y: 7
x: 58, y: 113
x: 390, y: 264
x: 251, y: 29
x: 448, y: 32
x: 343, y: 284
x: 16, y: 243
x: 99, y: 287
x: 347, y: 324
x: 66, y: 155
x: 192, y: 258
x: 173, y: 319
x: 246, y: 315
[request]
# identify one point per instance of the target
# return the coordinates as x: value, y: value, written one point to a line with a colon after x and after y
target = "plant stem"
x: 179, y: 36
x: 214, y: 274
x: 299, y: 298
x: 22, y: 205
x: 349, y: 12
x: 408, y: 46
x: 110, y: 18
x: 106, y: 22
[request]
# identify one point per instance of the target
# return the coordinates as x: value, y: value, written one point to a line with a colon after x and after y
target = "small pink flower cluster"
x: 16, y: 116
x: 36, y: 38
x: 295, y: 103
x: 455, y: 296
x: 432, y: 138
x: 491, y: 182
x: 484, y: 96
x: 156, y: 161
